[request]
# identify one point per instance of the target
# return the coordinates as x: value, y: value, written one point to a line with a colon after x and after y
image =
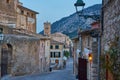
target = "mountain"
x: 70, y: 25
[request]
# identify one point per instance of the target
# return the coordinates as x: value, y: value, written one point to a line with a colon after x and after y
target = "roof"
x: 88, y: 31
x: 59, y: 34
x: 74, y: 38
x: 55, y: 42
x: 20, y: 6
x: 96, y: 22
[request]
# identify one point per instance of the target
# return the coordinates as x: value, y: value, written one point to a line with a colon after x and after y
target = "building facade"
x: 75, y: 52
x: 111, y: 37
x: 26, y: 19
x: 56, y: 54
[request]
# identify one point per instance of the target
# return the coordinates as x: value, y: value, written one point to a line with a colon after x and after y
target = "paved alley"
x: 65, y: 74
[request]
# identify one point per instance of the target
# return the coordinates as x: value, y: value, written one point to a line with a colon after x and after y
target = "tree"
x: 66, y: 54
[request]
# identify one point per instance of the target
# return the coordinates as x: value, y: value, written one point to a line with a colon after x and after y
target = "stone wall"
x: 25, y: 54
x: 75, y: 55
x: 111, y: 26
x: 42, y: 56
x: 47, y: 55
x: 7, y: 12
x: 26, y: 19
x: 111, y: 21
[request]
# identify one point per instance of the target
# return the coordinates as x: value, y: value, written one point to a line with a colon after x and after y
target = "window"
x: 51, y: 46
x: 57, y: 54
x: 32, y: 15
x: 52, y: 54
x: 28, y: 14
x: 88, y: 41
x: 56, y: 46
x: 1, y: 30
x: 64, y: 46
x: 7, y: 1
x: 22, y: 12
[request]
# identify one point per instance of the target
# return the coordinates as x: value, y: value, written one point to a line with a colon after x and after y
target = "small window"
x: 46, y: 28
x: 32, y: 15
x: 7, y: 1
x: 57, y: 54
x: 52, y: 54
x: 51, y: 46
x: 57, y: 47
x: 88, y: 41
x: 28, y: 14
x: 22, y: 12
x: 64, y: 46
x: 1, y: 30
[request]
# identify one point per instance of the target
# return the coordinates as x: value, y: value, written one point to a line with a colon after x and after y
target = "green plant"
x: 66, y: 54
x: 110, y: 60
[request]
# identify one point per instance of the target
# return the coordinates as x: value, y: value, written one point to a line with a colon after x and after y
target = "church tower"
x: 47, y: 28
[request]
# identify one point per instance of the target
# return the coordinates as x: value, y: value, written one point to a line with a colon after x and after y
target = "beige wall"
x: 60, y: 65
x: 47, y: 54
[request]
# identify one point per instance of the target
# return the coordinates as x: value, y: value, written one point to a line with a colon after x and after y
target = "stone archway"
x: 6, y: 57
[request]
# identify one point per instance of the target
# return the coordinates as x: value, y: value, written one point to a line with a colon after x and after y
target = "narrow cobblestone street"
x: 65, y: 74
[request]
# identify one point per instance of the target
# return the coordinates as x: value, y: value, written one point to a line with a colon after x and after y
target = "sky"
x: 53, y: 10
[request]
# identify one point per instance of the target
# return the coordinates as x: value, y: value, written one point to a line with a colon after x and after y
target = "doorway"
x: 6, y: 57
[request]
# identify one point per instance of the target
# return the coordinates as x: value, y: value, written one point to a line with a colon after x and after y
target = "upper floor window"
x: 1, y: 30
x: 88, y: 41
x: 56, y: 46
x: 51, y: 46
x: 22, y: 12
x: 32, y: 15
x: 28, y: 14
x: 7, y: 1
x: 57, y: 54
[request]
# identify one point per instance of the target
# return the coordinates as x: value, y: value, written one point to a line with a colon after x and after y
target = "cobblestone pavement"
x: 65, y: 74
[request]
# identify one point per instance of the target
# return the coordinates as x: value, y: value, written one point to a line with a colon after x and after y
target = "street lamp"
x: 90, y: 57
x: 1, y: 35
x: 79, y: 5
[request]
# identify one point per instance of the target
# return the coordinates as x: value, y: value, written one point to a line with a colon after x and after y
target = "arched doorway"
x: 6, y: 57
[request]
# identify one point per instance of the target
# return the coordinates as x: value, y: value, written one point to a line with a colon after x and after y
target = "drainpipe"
x: 99, y: 51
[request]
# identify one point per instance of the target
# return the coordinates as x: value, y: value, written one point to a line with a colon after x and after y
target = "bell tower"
x: 47, y: 28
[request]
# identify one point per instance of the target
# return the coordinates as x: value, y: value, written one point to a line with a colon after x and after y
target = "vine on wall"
x: 111, y: 60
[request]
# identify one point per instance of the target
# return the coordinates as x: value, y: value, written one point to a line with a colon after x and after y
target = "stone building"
x: 111, y: 36
x: 85, y: 44
x: 19, y: 53
x: 26, y: 18
x: 22, y: 50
